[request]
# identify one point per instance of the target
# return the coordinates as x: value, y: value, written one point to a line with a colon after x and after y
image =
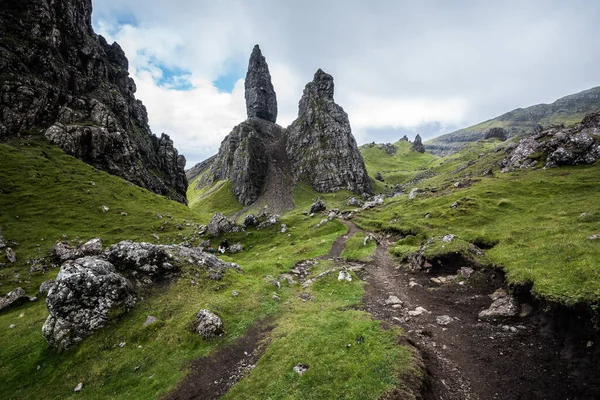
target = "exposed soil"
x: 211, y: 377
x: 472, y: 359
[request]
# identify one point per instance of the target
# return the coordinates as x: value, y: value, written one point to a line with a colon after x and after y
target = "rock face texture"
x: 243, y: 159
x: 85, y: 292
x: 418, y: 145
x: 13, y: 299
x: 320, y: 145
x: 576, y: 145
x: 261, y: 100
x: 59, y: 78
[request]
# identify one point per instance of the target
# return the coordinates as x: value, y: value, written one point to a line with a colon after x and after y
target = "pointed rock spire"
x: 261, y: 100
x: 418, y: 144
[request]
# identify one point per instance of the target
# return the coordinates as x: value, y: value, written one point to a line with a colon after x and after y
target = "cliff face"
x: 59, y: 78
x: 320, y: 144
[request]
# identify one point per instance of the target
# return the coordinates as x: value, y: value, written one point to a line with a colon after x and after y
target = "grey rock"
x: 344, y: 276
x: 418, y: 145
x: 466, y: 272
x: 87, y: 291
x: 448, y: 238
x: 417, y: 311
x: 444, y: 320
x: 497, y: 133
x: 261, y: 100
x: 46, y: 286
x: 374, y: 202
x: 208, y: 324
x: 220, y: 224
x: 317, y: 206
x: 146, y: 259
x: 236, y: 248
x: 414, y: 192
x: 320, y: 145
x: 3, y: 243
x: 81, y: 96
x: 301, y: 369
x: 15, y: 298
x: 503, y: 306
x: 78, y: 388
x: 283, y: 228
x: 594, y: 237
x: 92, y: 247
x: 250, y: 220
x: 379, y: 177
x: 391, y: 300
x: 63, y: 251
x: 270, y: 221
x: 199, y: 169
x: 150, y: 319
x: 11, y: 255
x: 354, y: 202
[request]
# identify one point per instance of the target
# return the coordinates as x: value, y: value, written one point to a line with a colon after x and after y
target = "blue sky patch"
x: 226, y: 81
x: 174, y: 77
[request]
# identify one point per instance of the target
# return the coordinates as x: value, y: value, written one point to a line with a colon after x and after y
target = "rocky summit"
x: 261, y: 100
x: 61, y: 80
x: 320, y: 144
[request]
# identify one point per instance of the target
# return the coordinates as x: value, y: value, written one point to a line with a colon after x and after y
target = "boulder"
x: 236, y: 248
x: 46, y: 286
x: 418, y: 145
x: 208, y: 324
x: 63, y: 251
x: 11, y: 256
x: 503, y: 306
x: 374, y: 202
x: 141, y: 259
x: 220, y: 224
x: 270, y: 221
x: 13, y: 299
x: 88, y: 291
x: 317, y: 206
x: 250, y: 220
x: 354, y: 202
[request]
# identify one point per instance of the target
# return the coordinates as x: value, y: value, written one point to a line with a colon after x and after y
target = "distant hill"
x: 566, y: 110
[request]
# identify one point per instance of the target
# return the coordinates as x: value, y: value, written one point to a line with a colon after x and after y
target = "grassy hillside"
x: 567, y: 110
x: 533, y: 219
x: 399, y: 167
x: 53, y: 194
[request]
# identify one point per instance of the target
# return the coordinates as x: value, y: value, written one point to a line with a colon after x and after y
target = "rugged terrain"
x: 62, y: 81
x: 522, y: 121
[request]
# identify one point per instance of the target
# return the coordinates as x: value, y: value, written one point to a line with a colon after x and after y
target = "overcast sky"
x: 399, y: 66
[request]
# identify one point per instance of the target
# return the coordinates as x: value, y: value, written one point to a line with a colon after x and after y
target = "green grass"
x: 210, y: 199
x: 397, y: 168
x: 533, y: 216
x: 355, y: 249
x: 52, y: 194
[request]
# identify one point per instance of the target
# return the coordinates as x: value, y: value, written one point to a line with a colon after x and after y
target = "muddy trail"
x: 466, y: 358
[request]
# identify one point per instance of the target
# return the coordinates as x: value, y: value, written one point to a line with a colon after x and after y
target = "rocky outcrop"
x: 243, y: 159
x: 418, y: 145
x: 497, y: 133
x: 220, y: 224
x: 261, y: 100
x: 63, y: 251
x: 199, y: 169
x: 576, y: 145
x: 86, y: 291
x: 317, y: 206
x: 320, y: 145
x: 60, y: 79
x: 13, y: 299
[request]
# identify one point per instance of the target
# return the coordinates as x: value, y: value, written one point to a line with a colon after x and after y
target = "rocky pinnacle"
x: 261, y: 100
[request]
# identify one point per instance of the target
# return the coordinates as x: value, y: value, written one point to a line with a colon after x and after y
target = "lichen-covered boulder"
x: 140, y: 258
x: 317, y: 206
x: 63, y: 251
x: 13, y: 299
x: 220, y: 224
x: 208, y: 324
x: 87, y: 292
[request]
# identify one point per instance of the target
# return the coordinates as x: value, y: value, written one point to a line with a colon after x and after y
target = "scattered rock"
x: 150, y: 319
x: 448, y: 238
x: 235, y: 293
x: 379, y: 177
x: 391, y: 300
x: 11, y: 255
x: 301, y: 369
x: 270, y: 221
x: 354, y: 202
x: 236, y: 248
x: 2, y: 240
x: 344, y: 276
x: 443, y: 320
x: 122, y: 344
x: 455, y: 205
x: 250, y: 220
x: 15, y: 298
x: 220, y: 224
x: 374, y: 202
x: 317, y: 206
x: 78, y: 388
x: 208, y: 324
x: 503, y: 306
x: 594, y: 237
x: 86, y: 292
x: 275, y: 297
x: 442, y: 280
x: 414, y: 192
x: 466, y: 272
x: 105, y: 209
x: 12, y: 326
x: 417, y: 311
x: 283, y: 228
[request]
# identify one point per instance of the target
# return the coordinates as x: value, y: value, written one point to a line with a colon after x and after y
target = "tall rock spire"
x: 320, y: 145
x: 261, y: 100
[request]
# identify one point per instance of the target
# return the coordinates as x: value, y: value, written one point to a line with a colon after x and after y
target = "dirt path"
x: 211, y: 377
x: 468, y: 358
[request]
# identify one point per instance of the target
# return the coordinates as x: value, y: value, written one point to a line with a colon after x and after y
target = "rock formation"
x: 261, y: 100
x: 320, y: 145
x: 576, y: 145
x: 418, y: 145
x: 60, y: 79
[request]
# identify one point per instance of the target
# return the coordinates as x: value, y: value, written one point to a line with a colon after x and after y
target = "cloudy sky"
x: 399, y: 66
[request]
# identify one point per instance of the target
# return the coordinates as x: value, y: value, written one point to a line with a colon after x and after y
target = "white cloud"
x: 397, y: 64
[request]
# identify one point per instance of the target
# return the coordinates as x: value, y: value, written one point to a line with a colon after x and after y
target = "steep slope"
x: 58, y: 78
x: 320, y: 145
x: 566, y: 110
